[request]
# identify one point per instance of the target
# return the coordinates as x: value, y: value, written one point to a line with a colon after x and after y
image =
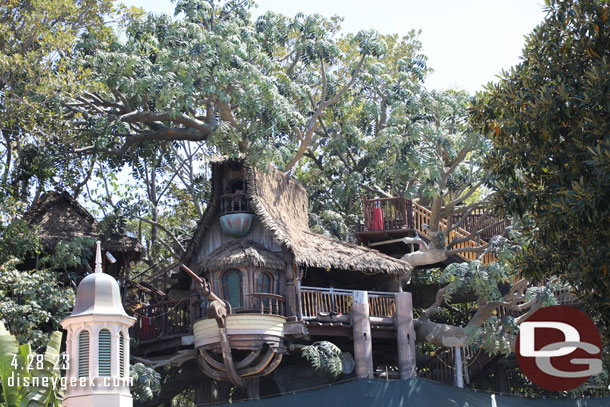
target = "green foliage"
x: 17, y: 239
x: 146, y: 382
x: 15, y: 361
x: 37, y: 39
x: 547, y: 119
x: 33, y: 303
x: 70, y: 254
x: 324, y: 356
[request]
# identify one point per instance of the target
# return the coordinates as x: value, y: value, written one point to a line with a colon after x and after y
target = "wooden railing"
x: 387, y: 214
x: 265, y: 303
x: 477, y: 217
x: 316, y: 300
x: 422, y: 215
x: 160, y: 320
x: 234, y: 203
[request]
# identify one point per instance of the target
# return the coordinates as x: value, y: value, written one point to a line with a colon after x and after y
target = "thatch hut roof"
x: 281, y: 205
x: 60, y: 217
x: 241, y: 253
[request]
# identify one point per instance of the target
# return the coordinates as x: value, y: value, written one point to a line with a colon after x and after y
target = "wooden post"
x: 363, y: 345
x: 459, y: 372
x: 291, y: 292
x: 405, y: 335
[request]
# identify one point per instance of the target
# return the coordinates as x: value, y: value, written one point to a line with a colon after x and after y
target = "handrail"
x: 387, y: 213
x: 162, y: 319
x: 345, y: 291
x: 422, y: 215
x: 268, y: 303
x: 234, y: 203
x: 316, y: 300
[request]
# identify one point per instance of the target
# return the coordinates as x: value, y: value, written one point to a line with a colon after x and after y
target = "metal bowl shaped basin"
x: 237, y: 224
x: 246, y: 331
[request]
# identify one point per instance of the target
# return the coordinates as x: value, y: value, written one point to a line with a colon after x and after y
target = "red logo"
x: 559, y: 348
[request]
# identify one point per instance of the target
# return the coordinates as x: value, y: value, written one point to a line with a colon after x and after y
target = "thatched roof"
x: 241, y: 253
x: 60, y: 217
x: 281, y: 205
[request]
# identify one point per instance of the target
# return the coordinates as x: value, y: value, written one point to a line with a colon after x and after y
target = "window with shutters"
x: 83, y: 354
x: 105, y: 352
x: 232, y: 287
x: 121, y: 354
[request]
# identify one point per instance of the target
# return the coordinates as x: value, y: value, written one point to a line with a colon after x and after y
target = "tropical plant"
x: 324, y: 356
x: 23, y: 372
x: 146, y: 382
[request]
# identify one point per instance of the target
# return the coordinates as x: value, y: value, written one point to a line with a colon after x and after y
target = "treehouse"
x: 60, y: 218
x: 280, y: 285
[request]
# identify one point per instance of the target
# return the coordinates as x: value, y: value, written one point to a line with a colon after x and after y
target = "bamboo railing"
x: 422, y: 215
x: 316, y: 300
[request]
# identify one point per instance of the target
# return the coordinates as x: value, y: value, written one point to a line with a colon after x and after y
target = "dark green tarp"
x: 409, y: 393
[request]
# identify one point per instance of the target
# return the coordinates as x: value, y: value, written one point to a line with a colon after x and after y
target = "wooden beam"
x: 385, y: 242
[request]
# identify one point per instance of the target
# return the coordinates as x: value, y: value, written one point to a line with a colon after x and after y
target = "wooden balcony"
x: 265, y: 303
x: 317, y: 300
x: 161, y: 320
x: 234, y: 203
x: 387, y: 214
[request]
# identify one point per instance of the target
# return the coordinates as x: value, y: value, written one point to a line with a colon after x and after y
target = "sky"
x: 467, y: 42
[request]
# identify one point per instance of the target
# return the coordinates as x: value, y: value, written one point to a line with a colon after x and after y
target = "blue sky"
x: 468, y: 42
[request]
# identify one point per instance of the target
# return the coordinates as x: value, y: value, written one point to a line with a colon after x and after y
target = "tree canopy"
x: 548, y: 119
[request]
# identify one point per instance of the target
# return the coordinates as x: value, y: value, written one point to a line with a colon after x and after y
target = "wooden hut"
x: 285, y: 285
x: 59, y: 217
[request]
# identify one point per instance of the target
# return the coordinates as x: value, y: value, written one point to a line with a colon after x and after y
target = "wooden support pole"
x: 291, y: 293
x: 405, y: 335
x: 459, y: 372
x: 363, y: 345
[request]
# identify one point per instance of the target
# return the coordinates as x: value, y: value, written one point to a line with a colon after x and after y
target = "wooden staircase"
x: 388, y: 220
x: 421, y: 217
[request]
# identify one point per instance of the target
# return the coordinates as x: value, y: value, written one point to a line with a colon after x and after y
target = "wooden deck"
x: 388, y: 220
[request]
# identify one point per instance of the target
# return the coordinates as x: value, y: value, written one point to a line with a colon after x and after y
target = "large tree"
x: 37, y: 43
x: 548, y: 119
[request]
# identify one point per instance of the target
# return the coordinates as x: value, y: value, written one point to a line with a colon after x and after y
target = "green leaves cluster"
x: 324, y: 356
x: 146, y: 382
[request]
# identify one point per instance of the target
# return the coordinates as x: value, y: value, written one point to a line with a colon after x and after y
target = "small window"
x: 232, y: 287
x: 83, y: 354
x: 105, y: 352
x: 238, y: 186
x: 121, y: 354
x: 264, y: 283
